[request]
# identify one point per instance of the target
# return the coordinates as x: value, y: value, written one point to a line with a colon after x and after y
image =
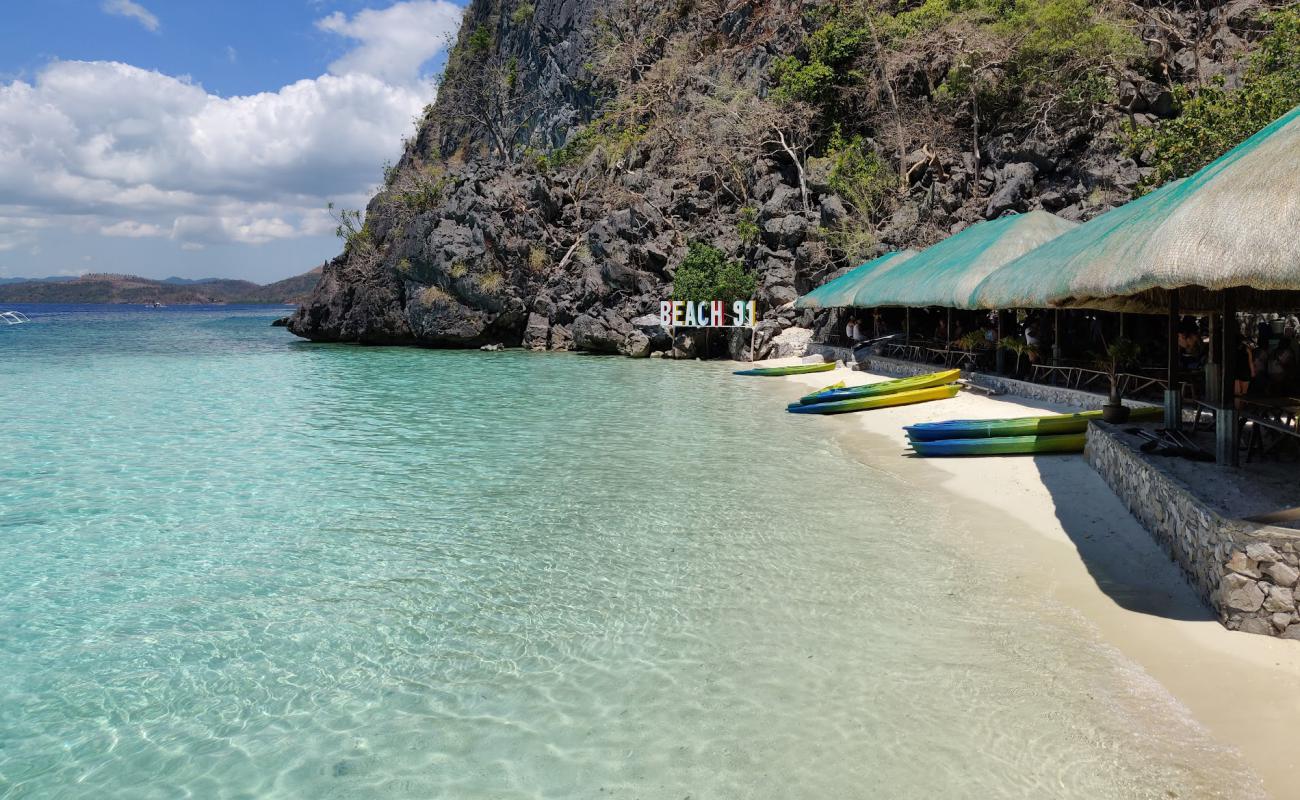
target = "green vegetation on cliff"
x: 707, y: 274
x: 1216, y: 119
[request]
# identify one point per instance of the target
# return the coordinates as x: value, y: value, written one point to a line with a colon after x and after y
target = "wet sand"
x: 1087, y: 552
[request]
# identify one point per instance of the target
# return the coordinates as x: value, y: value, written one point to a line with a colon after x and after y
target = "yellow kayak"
x: 880, y: 401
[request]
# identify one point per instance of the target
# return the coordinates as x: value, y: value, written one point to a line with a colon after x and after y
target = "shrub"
x: 419, y: 190
x: 747, y: 226
x: 854, y: 240
x: 537, y: 258
x: 491, y: 281
x: 522, y: 13
x: 480, y: 41
x: 707, y: 274
x: 458, y: 270
x: 404, y: 266
x: 858, y: 175
x: 1218, y: 119
x: 357, y: 235
x: 433, y: 296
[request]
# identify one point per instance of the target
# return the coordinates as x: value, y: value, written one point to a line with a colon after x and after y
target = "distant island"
x: 108, y: 288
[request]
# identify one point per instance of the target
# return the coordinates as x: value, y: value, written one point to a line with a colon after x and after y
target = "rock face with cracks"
x: 554, y: 216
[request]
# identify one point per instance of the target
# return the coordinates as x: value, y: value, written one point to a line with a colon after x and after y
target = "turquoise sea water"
x: 237, y: 565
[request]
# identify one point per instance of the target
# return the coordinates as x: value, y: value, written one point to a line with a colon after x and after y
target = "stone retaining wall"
x: 1074, y: 398
x: 1246, y: 572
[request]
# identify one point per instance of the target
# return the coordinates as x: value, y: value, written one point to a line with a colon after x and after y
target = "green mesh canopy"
x: 1235, y: 223
x: 839, y: 292
x: 947, y: 273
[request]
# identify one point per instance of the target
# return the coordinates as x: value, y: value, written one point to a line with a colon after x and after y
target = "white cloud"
x: 132, y: 229
x: 135, y: 11
x: 395, y: 41
x: 232, y: 55
x: 110, y: 148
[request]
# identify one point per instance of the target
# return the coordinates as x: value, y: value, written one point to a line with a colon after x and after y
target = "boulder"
x: 536, y: 332
x: 1240, y: 593
x: 561, y: 338
x: 1241, y: 564
x: 1258, y: 625
x: 1282, y: 574
x: 1262, y: 552
x: 1279, y: 598
x: 636, y: 345
x: 598, y: 335
x: 791, y: 342
x: 784, y: 200
x: 1017, y: 183
x: 833, y: 211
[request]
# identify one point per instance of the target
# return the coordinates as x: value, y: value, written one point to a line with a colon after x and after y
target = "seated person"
x: 1191, y: 349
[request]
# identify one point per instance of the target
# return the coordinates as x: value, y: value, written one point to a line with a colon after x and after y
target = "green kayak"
x: 1049, y: 425
x: 881, y: 401
x: 1002, y: 445
x: 793, y: 369
x: 831, y: 394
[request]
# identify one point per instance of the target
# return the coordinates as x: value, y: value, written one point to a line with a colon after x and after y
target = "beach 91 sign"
x: 706, y: 314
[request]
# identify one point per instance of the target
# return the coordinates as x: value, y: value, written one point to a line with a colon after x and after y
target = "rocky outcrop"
x: 476, y: 239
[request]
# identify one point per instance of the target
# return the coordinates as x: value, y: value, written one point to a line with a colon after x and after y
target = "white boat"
x: 13, y: 317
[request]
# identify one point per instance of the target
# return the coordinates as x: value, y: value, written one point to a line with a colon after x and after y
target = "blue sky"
x: 201, y: 139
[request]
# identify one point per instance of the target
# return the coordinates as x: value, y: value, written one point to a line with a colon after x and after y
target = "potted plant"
x: 1019, y: 347
x: 1119, y: 354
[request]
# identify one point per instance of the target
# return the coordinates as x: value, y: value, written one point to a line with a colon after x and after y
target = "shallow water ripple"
x: 234, y: 566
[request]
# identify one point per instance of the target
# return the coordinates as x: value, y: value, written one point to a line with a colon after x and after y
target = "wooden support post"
x: 999, y: 356
x: 907, y: 326
x: 1173, y: 397
x: 1056, y: 337
x: 1212, y: 362
x: 1225, y: 428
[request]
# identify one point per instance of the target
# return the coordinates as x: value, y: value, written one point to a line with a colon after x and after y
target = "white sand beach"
x: 1088, y: 553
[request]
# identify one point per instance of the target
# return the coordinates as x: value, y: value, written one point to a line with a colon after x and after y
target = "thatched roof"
x: 947, y: 273
x: 1235, y: 223
x: 839, y: 292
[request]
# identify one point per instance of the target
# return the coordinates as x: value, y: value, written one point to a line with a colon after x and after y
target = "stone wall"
x: 830, y: 352
x: 1246, y: 572
x: 1073, y: 398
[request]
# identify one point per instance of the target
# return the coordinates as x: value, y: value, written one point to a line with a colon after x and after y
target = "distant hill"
x: 106, y: 288
x: 52, y: 279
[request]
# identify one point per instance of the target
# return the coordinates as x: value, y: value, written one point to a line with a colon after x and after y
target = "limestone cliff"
x: 577, y: 147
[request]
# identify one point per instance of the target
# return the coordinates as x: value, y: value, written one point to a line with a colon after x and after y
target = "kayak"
x: 831, y: 388
x: 793, y: 369
x: 1003, y: 445
x: 831, y: 394
x: 881, y: 401
x: 1049, y: 425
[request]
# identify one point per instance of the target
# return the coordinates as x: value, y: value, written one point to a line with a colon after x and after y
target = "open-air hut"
x: 1224, y: 239
x: 838, y: 293
x: 946, y: 274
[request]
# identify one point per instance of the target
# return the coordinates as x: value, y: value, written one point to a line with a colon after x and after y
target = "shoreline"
x: 1089, y: 554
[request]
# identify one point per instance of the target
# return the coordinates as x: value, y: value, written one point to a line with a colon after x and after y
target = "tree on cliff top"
x: 484, y: 90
